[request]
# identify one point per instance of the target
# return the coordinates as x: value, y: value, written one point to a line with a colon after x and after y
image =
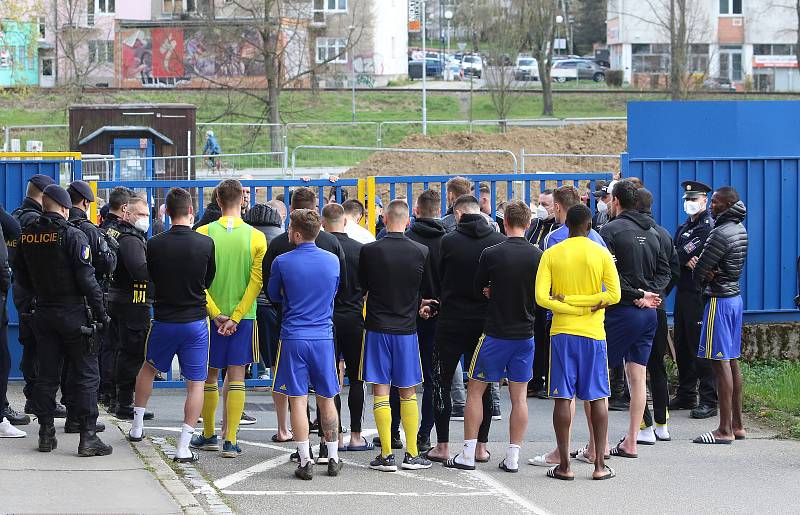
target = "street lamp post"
x: 559, y: 20
x: 448, y: 15
x: 424, y: 71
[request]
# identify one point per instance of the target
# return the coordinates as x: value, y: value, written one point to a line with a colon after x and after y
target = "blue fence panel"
x: 15, y: 176
x: 769, y: 187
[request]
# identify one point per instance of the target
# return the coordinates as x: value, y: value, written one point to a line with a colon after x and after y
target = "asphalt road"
x: 757, y: 475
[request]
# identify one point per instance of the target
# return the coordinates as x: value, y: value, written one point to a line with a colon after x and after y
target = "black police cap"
x: 694, y: 189
x: 59, y: 195
x: 83, y: 189
x: 599, y: 188
x: 41, y: 181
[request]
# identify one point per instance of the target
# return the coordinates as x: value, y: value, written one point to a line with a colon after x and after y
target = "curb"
x: 150, y: 452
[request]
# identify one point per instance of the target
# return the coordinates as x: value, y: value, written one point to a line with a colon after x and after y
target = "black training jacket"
x: 724, y: 254
x: 429, y: 232
x: 461, y: 250
x: 641, y: 259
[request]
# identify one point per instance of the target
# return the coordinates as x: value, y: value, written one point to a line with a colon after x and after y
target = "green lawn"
x: 35, y: 107
x: 772, y: 393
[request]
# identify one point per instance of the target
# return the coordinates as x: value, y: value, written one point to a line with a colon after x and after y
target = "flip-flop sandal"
x: 189, y: 459
x: 434, y: 459
x: 618, y: 451
x: 709, y: 438
x: 486, y: 459
x: 552, y: 472
x: 504, y: 468
x: 453, y: 464
x: 610, y: 474
x: 584, y: 458
x: 576, y: 453
x: 278, y: 440
x: 368, y: 446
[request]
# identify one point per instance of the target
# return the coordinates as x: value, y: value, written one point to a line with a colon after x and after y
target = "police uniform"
x: 104, y: 260
x: 690, y: 239
x: 109, y: 346
x: 26, y: 214
x: 129, y: 303
x: 54, y: 262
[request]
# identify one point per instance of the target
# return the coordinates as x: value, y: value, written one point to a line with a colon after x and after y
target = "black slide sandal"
x: 486, y: 460
x: 189, y: 459
x: 552, y: 472
x: 710, y: 439
x: 504, y: 468
x: 453, y: 464
x: 610, y: 474
x: 618, y: 451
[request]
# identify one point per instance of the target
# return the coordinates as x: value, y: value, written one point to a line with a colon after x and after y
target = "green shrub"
x: 614, y: 78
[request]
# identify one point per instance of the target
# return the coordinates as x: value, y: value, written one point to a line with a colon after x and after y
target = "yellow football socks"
x: 209, y: 411
x: 234, y: 407
x: 383, y: 419
x: 409, y: 415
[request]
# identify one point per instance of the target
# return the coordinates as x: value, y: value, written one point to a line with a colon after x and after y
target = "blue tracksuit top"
x: 304, y: 281
x: 562, y: 233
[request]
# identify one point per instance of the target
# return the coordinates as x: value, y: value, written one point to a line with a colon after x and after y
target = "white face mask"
x: 691, y: 207
x: 602, y: 207
x: 541, y: 213
x: 142, y: 224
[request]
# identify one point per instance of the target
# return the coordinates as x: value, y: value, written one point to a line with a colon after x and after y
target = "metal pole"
x: 424, y: 72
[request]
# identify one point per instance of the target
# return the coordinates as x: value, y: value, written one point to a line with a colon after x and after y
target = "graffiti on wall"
x: 171, y: 55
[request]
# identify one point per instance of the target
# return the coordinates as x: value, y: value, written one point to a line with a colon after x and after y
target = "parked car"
x: 433, y: 68
x: 527, y: 68
x: 472, y: 65
x: 577, y: 69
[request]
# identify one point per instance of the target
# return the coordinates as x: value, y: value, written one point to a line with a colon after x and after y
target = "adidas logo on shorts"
x: 480, y: 375
x: 555, y: 392
x: 283, y: 387
x: 719, y: 354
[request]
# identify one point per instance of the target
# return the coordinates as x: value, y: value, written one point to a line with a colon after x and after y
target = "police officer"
x: 27, y: 213
x: 104, y: 260
x: 130, y: 302
x: 689, y: 241
x: 117, y: 206
x: 54, y: 262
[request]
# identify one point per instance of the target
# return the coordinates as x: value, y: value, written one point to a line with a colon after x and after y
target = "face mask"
x: 602, y: 207
x: 541, y: 213
x: 691, y: 208
x: 142, y: 224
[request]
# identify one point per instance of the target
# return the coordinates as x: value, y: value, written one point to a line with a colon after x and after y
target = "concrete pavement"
x: 754, y: 475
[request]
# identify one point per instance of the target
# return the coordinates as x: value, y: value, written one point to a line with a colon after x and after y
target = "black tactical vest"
x: 44, y: 247
x: 122, y: 279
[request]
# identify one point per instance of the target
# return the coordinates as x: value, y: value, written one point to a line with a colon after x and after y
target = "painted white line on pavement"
x: 502, y: 491
x: 337, y: 493
x: 225, y: 482
x: 420, y: 477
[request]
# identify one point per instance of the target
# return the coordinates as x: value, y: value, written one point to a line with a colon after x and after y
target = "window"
x: 767, y: 49
x: 42, y: 27
x: 698, y: 58
x: 335, y: 5
x: 47, y: 67
x: 101, y: 52
x: 650, y: 58
x: 105, y: 6
x: 329, y: 48
x: 730, y: 6
x: 178, y: 6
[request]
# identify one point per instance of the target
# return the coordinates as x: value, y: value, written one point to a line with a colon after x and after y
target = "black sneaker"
x: 383, y: 463
x: 457, y: 414
x: 704, y: 411
x: 679, y: 403
x: 323, y: 454
x: 14, y: 417
x: 295, y: 456
x: 423, y: 444
x: 334, y: 467
x: 61, y: 411
x: 496, y: 415
x: 397, y: 443
x: 305, y: 473
x: 616, y: 404
x: 415, y: 462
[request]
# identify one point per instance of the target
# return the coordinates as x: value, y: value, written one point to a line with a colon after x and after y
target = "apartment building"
x: 733, y: 43
x: 203, y: 43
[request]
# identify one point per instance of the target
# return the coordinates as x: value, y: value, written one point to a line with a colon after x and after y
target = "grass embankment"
x: 772, y: 395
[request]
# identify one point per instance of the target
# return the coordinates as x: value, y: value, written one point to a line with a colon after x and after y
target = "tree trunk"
x: 543, y: 59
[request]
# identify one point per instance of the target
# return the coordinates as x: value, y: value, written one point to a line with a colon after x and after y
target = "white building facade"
x: 742, y: 44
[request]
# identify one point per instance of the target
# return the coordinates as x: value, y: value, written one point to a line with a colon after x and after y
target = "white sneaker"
x: 662, y: 433
x: 9, y: 431
x: 646, y: 436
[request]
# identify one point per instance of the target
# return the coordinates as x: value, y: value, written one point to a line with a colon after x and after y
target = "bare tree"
x: 539, y: 16
x: 280, y: 41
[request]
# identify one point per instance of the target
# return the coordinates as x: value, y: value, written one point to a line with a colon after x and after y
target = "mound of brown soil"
x: 607, y: 138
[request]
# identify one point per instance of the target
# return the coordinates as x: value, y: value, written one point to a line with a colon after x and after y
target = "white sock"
x: 467, y: 456
x: 138, y: 422
x: 303, y: 452
x: 512, y: 456
x: 183, y: 444
x: 662, y: 430
x: 333, y: 450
